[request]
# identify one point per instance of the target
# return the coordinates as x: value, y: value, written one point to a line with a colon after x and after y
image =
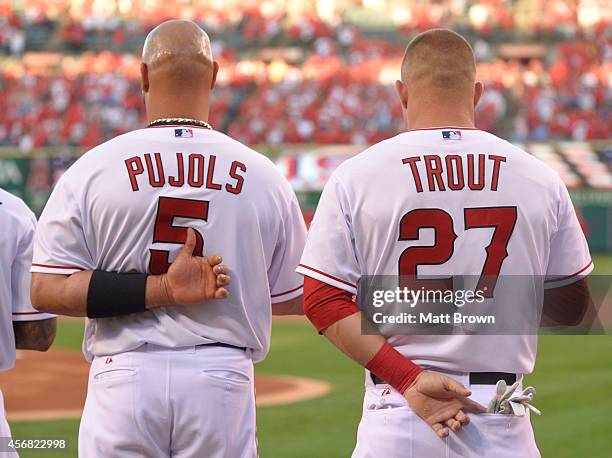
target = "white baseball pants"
x: 389, y: 429
x: 184, y: 403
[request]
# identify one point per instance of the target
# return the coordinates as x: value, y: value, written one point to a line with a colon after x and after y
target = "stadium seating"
x: 313, y: 74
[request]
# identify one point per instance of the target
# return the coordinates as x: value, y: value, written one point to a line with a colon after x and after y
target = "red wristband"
x: 394, y: 368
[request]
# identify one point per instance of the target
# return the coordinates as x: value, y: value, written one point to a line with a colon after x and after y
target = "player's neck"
x: 421, y: 119
x: 177, y: 107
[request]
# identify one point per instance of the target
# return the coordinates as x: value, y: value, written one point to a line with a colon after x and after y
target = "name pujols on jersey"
x: 188, y: 169
x: 449, y: 172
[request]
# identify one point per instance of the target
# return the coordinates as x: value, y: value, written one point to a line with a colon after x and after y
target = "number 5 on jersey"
x: 169, y: 208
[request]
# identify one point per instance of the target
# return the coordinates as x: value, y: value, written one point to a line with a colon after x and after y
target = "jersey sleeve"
x: 59, y: 244
x: 330, y: 255
x: 285, y: 283
x: 569, y: 258
x: 21, y: 278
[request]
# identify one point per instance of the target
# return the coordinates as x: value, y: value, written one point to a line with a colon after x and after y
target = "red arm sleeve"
x: 325, y: 304
x: 568, y: 304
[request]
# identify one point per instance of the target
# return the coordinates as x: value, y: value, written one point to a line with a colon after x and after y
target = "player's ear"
x: 402, y: 92
x: 214, y: 74
x: 144, y: 77
x: 478, y: 90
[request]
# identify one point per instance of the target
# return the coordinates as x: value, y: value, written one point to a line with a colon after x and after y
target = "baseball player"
x: 21, y: 326
x: 171, y: 380
x: 441, y: 199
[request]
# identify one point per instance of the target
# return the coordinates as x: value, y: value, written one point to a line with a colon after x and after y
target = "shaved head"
x: 439, y: 60
x: 179, y: 52
x: 177, y: 64
x: 176, y: 39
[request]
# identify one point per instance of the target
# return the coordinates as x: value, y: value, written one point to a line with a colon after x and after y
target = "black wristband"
x: 114, y: 294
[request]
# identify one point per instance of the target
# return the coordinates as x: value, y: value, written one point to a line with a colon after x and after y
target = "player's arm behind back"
x: 332, y: 271
x: 95, y: 294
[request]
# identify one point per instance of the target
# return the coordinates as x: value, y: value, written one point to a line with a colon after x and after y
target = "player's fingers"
x: 462, y: 418
x: 453, y: 425
x: 221, y: 293
x: 472, y: 407
x: 213, y: 260
x: 440, y: 430
x: 221, y: 269
x: 223, y: 280
x: 455, y: 387
x: 449, y: 411
x: 190, y: 242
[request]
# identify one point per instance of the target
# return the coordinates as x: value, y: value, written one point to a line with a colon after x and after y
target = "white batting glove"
x: 503, y: 392
x: 504, y: 402
x: 522, y: 402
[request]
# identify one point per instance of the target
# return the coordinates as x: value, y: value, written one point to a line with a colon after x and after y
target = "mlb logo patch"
x: 451, y: 135
x: 183, y: 133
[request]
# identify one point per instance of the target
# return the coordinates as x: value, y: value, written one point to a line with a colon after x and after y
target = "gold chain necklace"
x: 179, y: 121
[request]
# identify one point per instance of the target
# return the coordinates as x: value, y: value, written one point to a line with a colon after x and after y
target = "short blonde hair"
x: 439, y: 59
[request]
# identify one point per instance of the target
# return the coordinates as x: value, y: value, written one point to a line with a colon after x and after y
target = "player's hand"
x: 441, y: 402
x: 192, y: 279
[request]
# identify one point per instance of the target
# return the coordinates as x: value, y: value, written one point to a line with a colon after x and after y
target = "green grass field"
x: 573, y: 376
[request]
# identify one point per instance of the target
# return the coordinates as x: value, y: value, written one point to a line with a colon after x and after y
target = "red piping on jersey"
x: 328, y: 275
x: 57, y: 267
x: 287, y: 292
x: 572, y: 275
x: 27, y: 313
x: 445, y: 127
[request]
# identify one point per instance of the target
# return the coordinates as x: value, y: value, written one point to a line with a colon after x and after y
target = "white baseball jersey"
x: 448, y: 201
x: 125, y: 206
x: 18, y: 223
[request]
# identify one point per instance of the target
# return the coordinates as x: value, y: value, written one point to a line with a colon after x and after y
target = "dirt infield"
x: 53, y: 385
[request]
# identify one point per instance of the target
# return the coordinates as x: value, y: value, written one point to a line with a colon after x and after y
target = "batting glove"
x: 504, y: 402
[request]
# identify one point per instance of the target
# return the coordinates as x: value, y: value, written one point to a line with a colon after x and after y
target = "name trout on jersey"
x: 193, y: 169
x: 449, y: 172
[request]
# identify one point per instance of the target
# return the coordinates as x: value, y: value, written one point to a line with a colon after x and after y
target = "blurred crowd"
x: 303, y: 71
x: 114, y: 22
